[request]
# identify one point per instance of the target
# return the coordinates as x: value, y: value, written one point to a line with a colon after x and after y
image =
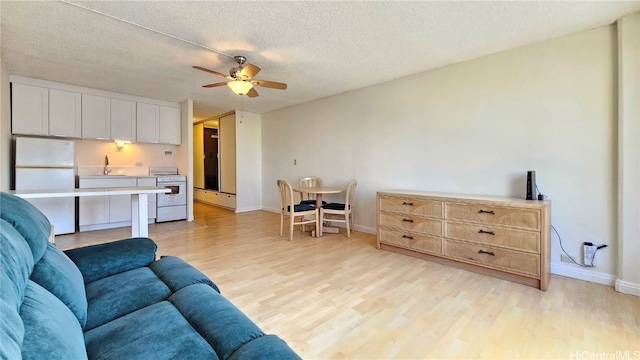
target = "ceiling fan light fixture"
x: 240, y: 87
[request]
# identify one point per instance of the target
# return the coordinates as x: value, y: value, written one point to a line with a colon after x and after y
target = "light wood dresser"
x: 498, y: 236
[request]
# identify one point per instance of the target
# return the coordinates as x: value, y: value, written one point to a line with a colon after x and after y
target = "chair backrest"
x: 286, y: 195
x: 309, y: 181
x: 351, y: 191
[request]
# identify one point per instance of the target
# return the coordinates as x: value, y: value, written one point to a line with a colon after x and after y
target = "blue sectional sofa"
x: 112, y: 301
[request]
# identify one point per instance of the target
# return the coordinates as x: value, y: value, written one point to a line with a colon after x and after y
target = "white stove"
x: 172, y: 205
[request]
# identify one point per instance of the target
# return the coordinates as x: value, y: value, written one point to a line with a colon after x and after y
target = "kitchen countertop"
x: 116, y: 176
x: 37, y: 194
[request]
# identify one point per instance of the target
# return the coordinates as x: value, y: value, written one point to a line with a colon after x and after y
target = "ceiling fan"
x: 241, y: 78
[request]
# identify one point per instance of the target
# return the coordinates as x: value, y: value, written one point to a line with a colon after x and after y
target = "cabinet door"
x: 29, y: 110
x: 65, y: 113
x: 92, y: 210
x: 151, y: 209
x: 119, y: 205
x: 119, y: 208
x: 123, y: 120
x: 96, y: 117
x: 148, y: 123
x: 170, y: 125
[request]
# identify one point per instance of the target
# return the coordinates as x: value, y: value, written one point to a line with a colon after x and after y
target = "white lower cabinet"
x: 215, y: 198
x: 103, y: 212
x: 152, y: 198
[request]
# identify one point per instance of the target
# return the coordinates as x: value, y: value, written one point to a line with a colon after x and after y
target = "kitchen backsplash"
x: 114, y: 170
x: 134, y: 158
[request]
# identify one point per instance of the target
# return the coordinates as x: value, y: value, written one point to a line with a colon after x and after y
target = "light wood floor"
x: 339, y: 298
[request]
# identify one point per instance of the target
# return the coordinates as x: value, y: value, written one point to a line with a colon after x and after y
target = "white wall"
x: 629, y: 154
x: 5, y: 129
x: 185, y: 151
x: 475, y: 127
x: 248, y: 161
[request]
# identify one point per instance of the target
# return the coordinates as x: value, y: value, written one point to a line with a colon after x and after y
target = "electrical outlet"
x: 295, y: 162
x: 138, y: 164
x: 565, y: 258
x: 588, y: 251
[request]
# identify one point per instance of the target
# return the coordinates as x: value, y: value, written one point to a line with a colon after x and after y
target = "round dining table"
x: 318, y: 191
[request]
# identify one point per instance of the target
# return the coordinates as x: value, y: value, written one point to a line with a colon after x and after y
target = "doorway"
x: 211, y: 159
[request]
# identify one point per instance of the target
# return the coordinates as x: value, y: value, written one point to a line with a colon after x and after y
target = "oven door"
x: 177, y: 196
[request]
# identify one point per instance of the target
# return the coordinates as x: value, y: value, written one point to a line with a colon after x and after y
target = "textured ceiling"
x: 318, y: 48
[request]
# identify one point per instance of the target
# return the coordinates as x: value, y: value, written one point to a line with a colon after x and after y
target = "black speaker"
x: 531, y: 185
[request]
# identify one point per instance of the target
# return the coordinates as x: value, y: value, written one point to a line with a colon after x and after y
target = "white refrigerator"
x: 48, y: 164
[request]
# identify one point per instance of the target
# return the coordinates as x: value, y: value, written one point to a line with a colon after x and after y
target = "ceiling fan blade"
x: 270, y: 84
x: 249, y: 71
x: 210, y: 71
x: 215, y: 85
x: 252, y: 93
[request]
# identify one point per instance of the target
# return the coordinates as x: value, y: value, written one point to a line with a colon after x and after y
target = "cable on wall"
x: 148, y: 28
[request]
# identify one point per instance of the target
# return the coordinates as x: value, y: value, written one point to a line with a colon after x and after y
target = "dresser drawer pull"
x: 482, y: 211
x: 407, y: 203
x: 408, y: 220
x: 486, y: 232
x: 486, y: 252
x: 407, y: 237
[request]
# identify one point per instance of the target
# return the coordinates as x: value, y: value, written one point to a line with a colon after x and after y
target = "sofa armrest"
x: 99, y: 261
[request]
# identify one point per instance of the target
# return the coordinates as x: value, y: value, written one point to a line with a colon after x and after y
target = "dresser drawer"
x: 510, y: 260
x: 494, y: 215
x: 412, y: 206
x: 412, y: 223
x: 413, y: 241
x: 516, y: 239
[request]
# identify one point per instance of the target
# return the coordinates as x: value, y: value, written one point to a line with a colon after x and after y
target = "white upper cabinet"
x: 170, y: 125
x: 148, y: 123
x: 47, y: 108
x: 29, y: 110
x: 96, y: 117
x: 123, y: 120
x: 65, y: 113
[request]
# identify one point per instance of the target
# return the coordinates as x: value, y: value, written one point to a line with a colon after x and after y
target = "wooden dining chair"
x: 293, y: 211
x: 339, y: 212
x: 309, y: 181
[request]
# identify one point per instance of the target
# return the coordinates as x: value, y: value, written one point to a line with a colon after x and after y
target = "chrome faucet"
x: 106, y: 164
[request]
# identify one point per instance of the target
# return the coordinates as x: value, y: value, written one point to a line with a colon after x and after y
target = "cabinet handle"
x: 407, y: 203
x: 408, y: 220
x: 486, y: 232
x: 486, y: 252
x: 407, y: 237
x: 482, y: 211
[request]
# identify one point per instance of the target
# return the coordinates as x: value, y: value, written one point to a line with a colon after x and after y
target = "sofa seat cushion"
x: 51, y: 330
x: 60, y: 276
x: 176, y: 273
x: 120, y: 294
x: 155, y: 332
x: 223, y: 325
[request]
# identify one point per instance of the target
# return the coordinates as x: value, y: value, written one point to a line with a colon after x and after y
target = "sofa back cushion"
x: 29, y: 221
x: 50, y: 328
x: 16, y: 264
x: 61, y: 277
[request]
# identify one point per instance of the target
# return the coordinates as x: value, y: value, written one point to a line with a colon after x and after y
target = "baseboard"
x: 582, y: 274
x: 241, y: 210
x: 627, y: 287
